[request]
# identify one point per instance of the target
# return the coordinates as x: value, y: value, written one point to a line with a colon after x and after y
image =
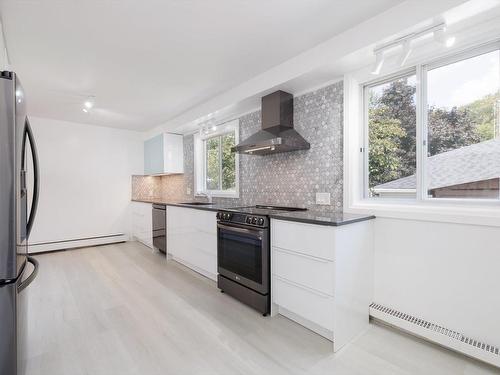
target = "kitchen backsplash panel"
x: 288, y: 179
x: 293, y: 178
x: 168, y: 188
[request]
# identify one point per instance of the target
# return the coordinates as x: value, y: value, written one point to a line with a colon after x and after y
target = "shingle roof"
x: 477, y: 162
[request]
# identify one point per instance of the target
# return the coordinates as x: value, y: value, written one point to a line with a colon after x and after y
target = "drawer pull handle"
x: 318, y: 293
x: 321, y: 260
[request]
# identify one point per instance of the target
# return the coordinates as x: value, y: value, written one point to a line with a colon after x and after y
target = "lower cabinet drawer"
x: 315, y: 273
x: 313, y: 306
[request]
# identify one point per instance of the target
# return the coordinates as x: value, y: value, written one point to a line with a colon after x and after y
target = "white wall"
x: 443, y: 272
x: 85, y: 178
x: 4, y: 60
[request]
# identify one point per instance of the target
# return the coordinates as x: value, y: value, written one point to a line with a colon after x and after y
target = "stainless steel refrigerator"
x: 18, y: 159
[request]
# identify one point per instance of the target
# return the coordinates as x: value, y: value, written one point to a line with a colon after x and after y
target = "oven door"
x: 243, y: 255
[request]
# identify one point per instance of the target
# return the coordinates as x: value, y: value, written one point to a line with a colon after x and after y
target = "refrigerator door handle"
x: 28, y: 135
x: 31, y: 277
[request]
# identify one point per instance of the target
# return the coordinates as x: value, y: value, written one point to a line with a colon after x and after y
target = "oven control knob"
x: 248, y: 220
x: 226, y: 216
x: 229, y: 216
x: 254, y: 220
x: 219, y: 214
x: 261, y: 221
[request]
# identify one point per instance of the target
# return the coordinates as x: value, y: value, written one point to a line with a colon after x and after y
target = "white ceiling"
x: 149, y: 61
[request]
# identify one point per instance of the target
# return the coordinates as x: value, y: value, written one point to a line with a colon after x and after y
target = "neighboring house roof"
x: 477, y: 162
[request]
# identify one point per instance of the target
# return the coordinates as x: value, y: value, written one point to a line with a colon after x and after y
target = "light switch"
x: 188, y: 191
x: 323, y: 198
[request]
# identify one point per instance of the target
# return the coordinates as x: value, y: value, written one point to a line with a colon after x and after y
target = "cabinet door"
x: 148, y: 225
x: 164, y: 154
x: 192, y: 239
x: 136, y: 220
x: 312, y: 305
x: 153, y: 155
x: 308, y: 239
x: 142, y: 223
x: 173, y: 149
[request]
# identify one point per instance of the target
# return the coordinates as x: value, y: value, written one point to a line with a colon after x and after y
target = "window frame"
x: 366, y: 131
x: 200, y: 161
x: 420, y: 70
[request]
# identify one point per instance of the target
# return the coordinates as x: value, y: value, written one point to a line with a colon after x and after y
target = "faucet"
x: 207, y: 195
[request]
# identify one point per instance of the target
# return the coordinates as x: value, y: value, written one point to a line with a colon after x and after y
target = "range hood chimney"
x: 277, y: 133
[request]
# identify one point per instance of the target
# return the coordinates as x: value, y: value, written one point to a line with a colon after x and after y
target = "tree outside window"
x: 462, y: 123
x: 220, y: 163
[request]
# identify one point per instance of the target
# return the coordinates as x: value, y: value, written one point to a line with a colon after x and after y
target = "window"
x: 463, y: 156
x: 216, y: 167
x: 458, y: 131
x: 392, y: 125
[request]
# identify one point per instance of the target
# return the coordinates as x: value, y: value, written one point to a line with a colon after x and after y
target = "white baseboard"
x: 446, y: 337
x: 35, y: 248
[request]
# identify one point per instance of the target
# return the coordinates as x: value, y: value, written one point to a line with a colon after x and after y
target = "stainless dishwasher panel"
x: 160, y: 227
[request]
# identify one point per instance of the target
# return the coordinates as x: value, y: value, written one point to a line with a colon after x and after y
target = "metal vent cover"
x: 437, y: 328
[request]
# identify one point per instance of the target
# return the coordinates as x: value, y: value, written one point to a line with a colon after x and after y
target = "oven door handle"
x: 242, y: 230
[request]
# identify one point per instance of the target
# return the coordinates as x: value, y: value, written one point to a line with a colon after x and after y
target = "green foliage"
x: 483, y: 113
x: 451, y: 129
x: 220, y: 168
x: 392, y: 129
x: 212, y: 160
x: 228, y: 162
x: 385, y: 137
x: 399, y: 101
x: 392, y: 133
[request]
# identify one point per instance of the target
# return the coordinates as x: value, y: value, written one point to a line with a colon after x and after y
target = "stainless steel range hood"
x: 277, y: 134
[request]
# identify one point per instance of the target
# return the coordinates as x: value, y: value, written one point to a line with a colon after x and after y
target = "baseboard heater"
x: 41, y: 247
x: 438, y: 334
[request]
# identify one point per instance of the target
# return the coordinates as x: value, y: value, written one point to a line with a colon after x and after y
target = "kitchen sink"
x: 196, y: 203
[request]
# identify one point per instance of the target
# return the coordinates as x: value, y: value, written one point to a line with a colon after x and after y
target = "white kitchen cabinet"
x: 322, y: 277
x: 142, y: 222
x: 164, y: 154
x: 192, y: 239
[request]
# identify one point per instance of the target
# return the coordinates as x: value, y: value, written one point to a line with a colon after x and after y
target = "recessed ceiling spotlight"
x: 89, y: 103
x: 379, y: 61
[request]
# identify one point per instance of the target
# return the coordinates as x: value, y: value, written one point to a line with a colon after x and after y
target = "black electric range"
x: 243, y: 254
x: 257, y: 215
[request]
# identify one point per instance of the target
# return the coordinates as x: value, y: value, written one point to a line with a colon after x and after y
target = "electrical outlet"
x: 323, y: 198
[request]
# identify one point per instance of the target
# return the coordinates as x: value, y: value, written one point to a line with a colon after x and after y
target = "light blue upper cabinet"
x: 164, y: 154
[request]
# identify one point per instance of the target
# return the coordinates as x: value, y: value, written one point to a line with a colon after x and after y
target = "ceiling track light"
x: 379, y: 61
x: 438, y: 31
x: 441, y: 37
x: 405, y: 53
x: 208, y: 126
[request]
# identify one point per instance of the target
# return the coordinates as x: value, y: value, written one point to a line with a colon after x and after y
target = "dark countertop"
x: 205, y: 207
x: 330, y: 218
x: 311, y: 216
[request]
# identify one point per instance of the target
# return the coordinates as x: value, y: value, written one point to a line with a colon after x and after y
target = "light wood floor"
x: 121, y: 309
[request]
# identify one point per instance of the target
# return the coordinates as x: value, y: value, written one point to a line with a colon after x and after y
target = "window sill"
x: 442, y: 212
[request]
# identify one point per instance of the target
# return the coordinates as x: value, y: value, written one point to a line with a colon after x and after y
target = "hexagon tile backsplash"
x: 292, y: 178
